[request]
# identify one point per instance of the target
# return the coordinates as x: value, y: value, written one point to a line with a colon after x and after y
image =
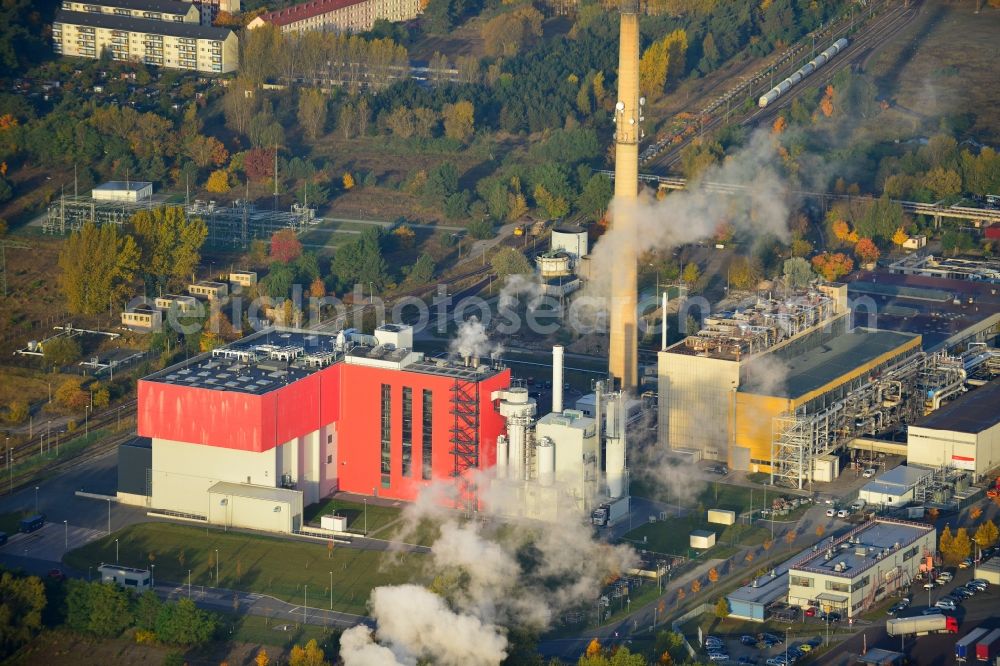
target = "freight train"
x: 801, y: 73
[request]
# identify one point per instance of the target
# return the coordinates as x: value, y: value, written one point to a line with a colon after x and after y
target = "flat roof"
x: 268, y: 493
x: 974, y: 412
x: 875, y: 538
x: 913, y: 303
x: 817, y: 366
x: 126, y: 185
x: 275, y: 357
x: 174, y: 7
x: 144, y: 26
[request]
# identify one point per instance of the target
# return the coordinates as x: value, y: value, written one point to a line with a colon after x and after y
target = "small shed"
x: 702, y: 539
x: 123, y: 190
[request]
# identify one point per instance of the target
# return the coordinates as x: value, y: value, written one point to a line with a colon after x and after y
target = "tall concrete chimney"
x: 557, y: 379
x: 623, y: 360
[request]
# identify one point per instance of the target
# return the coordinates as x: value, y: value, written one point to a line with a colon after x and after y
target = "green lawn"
x: 254, y: 563
x: 377, y: 516
x: 672, y: 536
x: 283, y: 633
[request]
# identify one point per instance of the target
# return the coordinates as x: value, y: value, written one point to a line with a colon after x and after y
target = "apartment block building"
x: 165, y: 33
x: 338, y: 15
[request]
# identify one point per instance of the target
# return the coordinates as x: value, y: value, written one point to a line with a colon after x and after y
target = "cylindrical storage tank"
x: 784, y: 86
x: 501, y: 457
x: 615, y: 465
x: 570, y: 239
x: 546, y: 461
x: 795, y: 78
x: 821, y: 60
x: 807, y: 69
x: 557, y: 379
x: 553, y: 264
x: 611, y: 419
x: 515, y: 450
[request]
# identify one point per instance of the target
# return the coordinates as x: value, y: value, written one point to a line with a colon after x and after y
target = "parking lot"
x: 810, y: 631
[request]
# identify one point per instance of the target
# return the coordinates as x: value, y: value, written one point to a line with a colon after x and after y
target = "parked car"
x: 843, y: 513
x: 719, y: 469
x: 830, y: 513
x: 747, y: 661
x: 946, y: 604
x: 747, y: 639
x: 930, y: 585
x: 965, y: 564
x: 718, y: 656
x: 56, y: 574
x: 811, y: 611
x: 897, y: 607
x: 772, y: 639
x: 869, y: 472
x: 981, y: 583
x: 946, y: 576
x: 805, y: 647
x: 961, y: 593
x: 777, y: 661
x: 970, y: 589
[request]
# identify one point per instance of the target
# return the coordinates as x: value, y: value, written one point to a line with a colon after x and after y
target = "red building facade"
x: 386, y: 431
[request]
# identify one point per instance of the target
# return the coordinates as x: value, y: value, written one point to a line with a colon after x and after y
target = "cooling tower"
x: 623, y: 361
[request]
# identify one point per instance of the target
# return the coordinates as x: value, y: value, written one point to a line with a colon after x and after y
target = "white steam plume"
x: 515, y: 573
x: 689, y: 215
x: 413, y: 624
x: 471, y: 340
x: 517, y: 284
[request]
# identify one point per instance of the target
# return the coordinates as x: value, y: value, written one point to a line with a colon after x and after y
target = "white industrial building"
x: 122, y: 190
x: 862, y: 567
x: 897, y: 487
x: 565, y: 465
x: 964, y: 434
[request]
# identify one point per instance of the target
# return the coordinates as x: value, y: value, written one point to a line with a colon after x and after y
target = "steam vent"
x: 624, y: 343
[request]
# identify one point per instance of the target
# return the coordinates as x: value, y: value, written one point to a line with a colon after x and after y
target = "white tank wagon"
x: 802, y: 72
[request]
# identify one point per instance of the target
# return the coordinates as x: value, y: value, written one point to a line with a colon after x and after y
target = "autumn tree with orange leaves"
x: 832, y: 266
x: 826, y: 104
x: 779, y: 125
x: 866, y: 251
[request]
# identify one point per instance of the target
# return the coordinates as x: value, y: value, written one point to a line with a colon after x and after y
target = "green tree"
x: 699, y: 155
x: 943, y: 182
x: 555, y: 206
x: 596, y: 195
x: 71, y: 395
x: 798, y: 272
x: 61, y: 351
x: 97, y: 267
x: 170, y: 244
x: 22, y: 600
x: 279, y: 280
x: 147, y: 608
x: 183, y: 623
x: 959, y: 548
x: 722, y: 608
x: 17, y: 411
x: 361, y: 261
x: 744, y: 273
x: 109, y: 610
x: 481, y: 229
x: 422, y: 270
x: 509, y: 261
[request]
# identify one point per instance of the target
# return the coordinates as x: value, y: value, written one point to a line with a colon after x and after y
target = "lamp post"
x: 116, y: 551
x: 86, y: 418
x: 36, y: 499
x: 366, y: 516
x: 217, y: 567
x: 152, y: 576
x: 305, y: 603
x: 109, y: 518
x: 331, y: 590
x: 66, y: 525
x: 189, y: 583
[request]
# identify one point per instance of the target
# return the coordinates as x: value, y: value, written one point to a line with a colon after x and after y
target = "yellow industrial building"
x: 724, y: 389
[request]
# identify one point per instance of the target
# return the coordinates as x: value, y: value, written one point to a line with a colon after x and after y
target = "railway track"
x: 862, y: 43
x: 40, y: 445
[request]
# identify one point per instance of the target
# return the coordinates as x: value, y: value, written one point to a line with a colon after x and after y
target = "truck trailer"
x: 921, y: 625
x: 989, y: 646
x: 966, y: 645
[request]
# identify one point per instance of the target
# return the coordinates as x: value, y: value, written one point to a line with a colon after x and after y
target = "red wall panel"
x: 202, y: 416
x: 360, y: 429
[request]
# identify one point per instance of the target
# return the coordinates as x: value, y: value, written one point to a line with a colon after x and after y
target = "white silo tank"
x: 501, y: 457
x: 615, y: 466
x: 546, y: 461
